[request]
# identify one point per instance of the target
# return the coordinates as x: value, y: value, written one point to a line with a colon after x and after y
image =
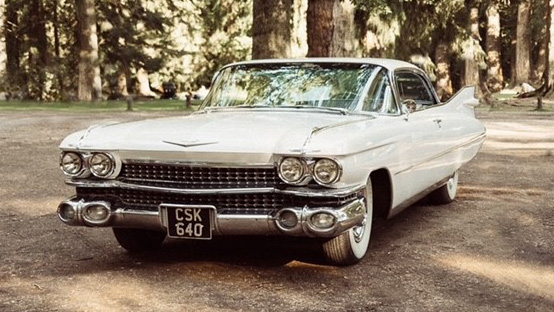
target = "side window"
x: 411, y: 86
x: 379, y: 97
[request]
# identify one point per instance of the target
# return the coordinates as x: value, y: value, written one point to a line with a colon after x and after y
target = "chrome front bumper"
x: 79, y: 212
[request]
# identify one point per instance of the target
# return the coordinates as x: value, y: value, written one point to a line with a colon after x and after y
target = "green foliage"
x: 223, y: 26
x: 134, y: 35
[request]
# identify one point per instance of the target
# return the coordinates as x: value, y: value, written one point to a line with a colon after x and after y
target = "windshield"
x: 321, y: 85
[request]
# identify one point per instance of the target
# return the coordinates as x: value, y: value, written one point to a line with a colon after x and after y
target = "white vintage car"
x: 314, y: 148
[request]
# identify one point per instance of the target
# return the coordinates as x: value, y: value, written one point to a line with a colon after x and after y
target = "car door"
x: 425, y: 124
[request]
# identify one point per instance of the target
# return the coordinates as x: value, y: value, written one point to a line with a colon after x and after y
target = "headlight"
x: 292, y: 170
x: 71, y: 163
x: 101, y: 165
x: 326, y: 171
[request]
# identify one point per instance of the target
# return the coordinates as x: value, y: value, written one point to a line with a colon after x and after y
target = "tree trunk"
x: 90, y: 86
x: 542, y: 46
x: 523, y: 65
x: 444, y: 83
x: 471, y: 68
x: 495, y: 78
x: 13, y: 49
x: 57, y: 51
x: 331, y: 29
x: 271, y: 29
x: 299, y: 41
x: 345, y: 43
x: 3, y: 56
x: 548, y: 71
x: 37, y: 34
x: 144, y: 83
x: 320, y: 27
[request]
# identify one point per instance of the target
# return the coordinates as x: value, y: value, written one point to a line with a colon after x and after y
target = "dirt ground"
x: 490, y: 250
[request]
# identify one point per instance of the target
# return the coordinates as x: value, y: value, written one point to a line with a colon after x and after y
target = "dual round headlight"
x: 292, y: 170
x: 71, y: 163
x: 74, y: 164
x: 297, y: 171
x: 101, y: 165
x: 326, y: 171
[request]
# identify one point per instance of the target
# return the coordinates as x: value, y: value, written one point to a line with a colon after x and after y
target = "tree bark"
x: 90, y: 86
x: 37, y: 34
x: 444, y: 83
x: 57, y: 51
x: 523, y: 64
x: 548, y: 72
x: 320, y: 27
x: 332, y: 29
x: 3, y: 55
x: 13, y: 48
x: 271, y: 29
x: 144, y: 83
x: 495, y: 78
x: 471, y: 68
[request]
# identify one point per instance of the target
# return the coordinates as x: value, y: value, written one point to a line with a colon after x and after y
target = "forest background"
x: 87, y: 50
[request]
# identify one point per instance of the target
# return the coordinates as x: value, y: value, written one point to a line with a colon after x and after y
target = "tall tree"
x: 549, y: 70
x: 522, y: 55
x: 494, y: 72
x: 14, y: 81
x: 90, y: 86
x: 38, y: 39
x: 3, y: 56
x: 471, y: 50
x: 271, y: 29
x: 331, y: 28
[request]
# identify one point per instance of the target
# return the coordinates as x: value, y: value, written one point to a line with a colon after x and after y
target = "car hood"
x: 196, y: 136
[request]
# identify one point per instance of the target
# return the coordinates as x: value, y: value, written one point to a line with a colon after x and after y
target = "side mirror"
x: 408, y: 106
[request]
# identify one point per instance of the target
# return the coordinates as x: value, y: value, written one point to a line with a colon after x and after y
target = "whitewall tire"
x: 352, y: 245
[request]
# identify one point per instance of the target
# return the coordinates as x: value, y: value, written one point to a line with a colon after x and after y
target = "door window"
x: 412, y: 86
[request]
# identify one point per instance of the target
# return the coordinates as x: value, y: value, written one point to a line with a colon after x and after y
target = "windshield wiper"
x: 342, y: 111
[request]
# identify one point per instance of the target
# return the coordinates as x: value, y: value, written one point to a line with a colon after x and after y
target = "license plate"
x: 184, y: 221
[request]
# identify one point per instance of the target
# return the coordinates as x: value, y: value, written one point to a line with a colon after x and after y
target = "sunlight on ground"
x: 522, y: 277
x: 512, y: 194
x: 33, y: 207
x: 303, y: 266
x: 516, y: 135
x: 118, y: 292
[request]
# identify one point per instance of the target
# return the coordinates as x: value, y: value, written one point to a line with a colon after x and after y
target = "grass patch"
x: 102, y: 106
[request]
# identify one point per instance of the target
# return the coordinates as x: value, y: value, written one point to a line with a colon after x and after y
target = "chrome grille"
x: 225, y: 203
x: 192, y: 177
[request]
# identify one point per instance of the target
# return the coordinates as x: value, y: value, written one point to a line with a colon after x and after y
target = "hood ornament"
x: 190, y: 143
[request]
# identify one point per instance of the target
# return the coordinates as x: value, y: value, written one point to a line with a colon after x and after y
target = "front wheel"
x: 351, y: 246
x: 137, y: 240
x: 446, y: 193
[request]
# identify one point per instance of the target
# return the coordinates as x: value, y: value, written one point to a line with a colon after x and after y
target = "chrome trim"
x: 199, y: 164
x: 187, y: 145
x: 301, y: 191
x: 347, y: 216
x: 80, y: 207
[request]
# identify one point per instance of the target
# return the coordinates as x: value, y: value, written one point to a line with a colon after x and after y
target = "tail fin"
x: 464, y: 100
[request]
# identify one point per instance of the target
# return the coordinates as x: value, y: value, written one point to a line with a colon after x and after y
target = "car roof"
x: 389, y: 64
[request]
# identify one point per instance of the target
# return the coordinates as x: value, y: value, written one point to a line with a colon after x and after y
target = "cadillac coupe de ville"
x: 313, y: 148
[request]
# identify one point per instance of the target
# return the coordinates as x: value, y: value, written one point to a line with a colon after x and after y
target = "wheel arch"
x: 382, y: 192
